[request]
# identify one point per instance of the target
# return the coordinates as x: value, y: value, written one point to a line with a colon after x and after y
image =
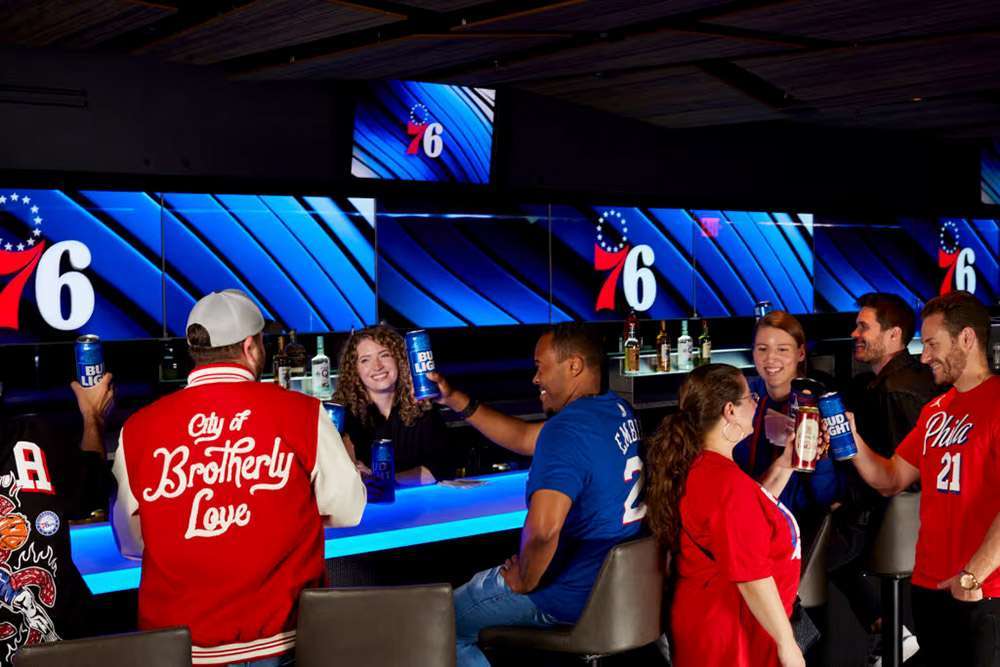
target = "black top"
x: 886, y: 408
x: 423, y: 443
x: 45, y: 480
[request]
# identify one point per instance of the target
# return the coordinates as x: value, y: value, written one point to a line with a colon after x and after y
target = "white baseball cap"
x: 229, y: 317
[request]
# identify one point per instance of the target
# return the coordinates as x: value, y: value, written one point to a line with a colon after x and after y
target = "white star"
x: 37, y: 232
x: 26, y: 200
x: 20, y: 247
x: 31, y: 241
x: 34, y: 209
x: 38, y: 220
x: 14, y: 196
x: 3, y: 200
x: 8, y: 247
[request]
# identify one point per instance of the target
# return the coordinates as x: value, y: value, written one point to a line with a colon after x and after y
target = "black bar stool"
x: 892, y: 560
x: 622, y: 613
x: 158, y: 648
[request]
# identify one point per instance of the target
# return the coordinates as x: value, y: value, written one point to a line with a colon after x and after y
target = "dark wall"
x: 138, y: 118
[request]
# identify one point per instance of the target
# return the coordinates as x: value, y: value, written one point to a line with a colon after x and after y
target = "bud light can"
x: 418, y: 348
x: 89, y: 360
x: 383, y: 472
x: 336, y: 412
x: 831, y: 409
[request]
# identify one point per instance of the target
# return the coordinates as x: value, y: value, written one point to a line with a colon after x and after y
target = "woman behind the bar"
x: 779, y: 353
x: 376, y: 389
x: 737, y: 551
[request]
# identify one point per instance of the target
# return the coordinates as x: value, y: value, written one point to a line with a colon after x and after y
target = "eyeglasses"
x: 753, y: 396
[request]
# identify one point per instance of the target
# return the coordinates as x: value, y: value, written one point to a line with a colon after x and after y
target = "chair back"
x: 895, y: 546
x: 813, y: 583
x: 624, y: 608
x: 384, y: 626
x: 158, y: 648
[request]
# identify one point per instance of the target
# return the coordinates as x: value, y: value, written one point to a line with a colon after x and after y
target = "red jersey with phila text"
x: 956, y: 446
x: 223, y: 489
x: 733, y: 532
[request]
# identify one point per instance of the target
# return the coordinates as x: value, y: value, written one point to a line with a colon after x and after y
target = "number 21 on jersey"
x: 634, y: 510
x: 949, y: 480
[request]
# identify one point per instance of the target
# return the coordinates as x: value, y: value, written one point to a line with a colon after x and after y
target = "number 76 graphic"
x: 638, y: 282
x: 49, y: 285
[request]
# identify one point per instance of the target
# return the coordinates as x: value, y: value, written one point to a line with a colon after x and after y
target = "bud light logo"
x: 424, y: 362
x: 837, y: 425
x: 91, y: 374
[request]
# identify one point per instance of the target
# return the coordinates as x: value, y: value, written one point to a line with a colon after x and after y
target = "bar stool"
x: 622, y: 613
x: 376, y: 627
x: 891, y: 560
x: 159, y: 648
x: 813, y: 590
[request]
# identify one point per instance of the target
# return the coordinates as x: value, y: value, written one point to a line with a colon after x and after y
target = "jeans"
x: 485, y: 601
x: 283, y: 660
x: 963, y: 634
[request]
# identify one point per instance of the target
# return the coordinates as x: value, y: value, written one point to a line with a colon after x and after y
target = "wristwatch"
x: 968, y: 581
x: 470, y: 408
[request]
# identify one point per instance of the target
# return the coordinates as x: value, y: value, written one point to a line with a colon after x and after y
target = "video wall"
x: 990, y: 173
x: 129, y: 265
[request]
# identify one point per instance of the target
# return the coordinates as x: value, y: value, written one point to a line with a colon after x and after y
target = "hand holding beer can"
x: 89, y: 360
x: 838, y: 427
x: 418, y: 349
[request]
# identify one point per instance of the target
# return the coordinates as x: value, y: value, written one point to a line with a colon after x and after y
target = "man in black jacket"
x: 45, y: 479
x: 886, y: 403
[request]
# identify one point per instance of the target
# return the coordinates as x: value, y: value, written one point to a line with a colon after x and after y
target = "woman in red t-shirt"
x: 737, y: 549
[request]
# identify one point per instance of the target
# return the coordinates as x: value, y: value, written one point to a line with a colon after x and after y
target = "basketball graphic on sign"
x: 14, y: 531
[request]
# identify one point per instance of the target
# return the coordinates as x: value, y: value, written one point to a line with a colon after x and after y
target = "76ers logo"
x: 613, y: 253
x: 22, y: 251
x: 425, y: 132
x: 959, y: 261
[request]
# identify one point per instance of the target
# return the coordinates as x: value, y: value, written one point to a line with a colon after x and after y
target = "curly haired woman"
x: 737, y: 549
x: 376, y: 389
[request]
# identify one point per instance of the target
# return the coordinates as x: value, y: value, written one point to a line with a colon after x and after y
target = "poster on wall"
x: 408, y: 130
x: 74, y: 262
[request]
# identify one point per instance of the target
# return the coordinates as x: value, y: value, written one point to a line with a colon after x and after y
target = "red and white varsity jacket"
x: 223, y: 490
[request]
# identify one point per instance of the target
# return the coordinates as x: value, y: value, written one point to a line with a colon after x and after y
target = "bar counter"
x: 420, y: 515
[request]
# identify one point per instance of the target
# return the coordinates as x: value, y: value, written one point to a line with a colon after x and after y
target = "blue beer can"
x: 383, y: 472
x: 89, y: 360
x: 336, y: 412
x: 831, y: 409
x: 418, y: 348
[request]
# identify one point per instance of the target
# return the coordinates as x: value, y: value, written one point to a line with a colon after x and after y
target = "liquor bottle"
x: 632, y: 343
x: 663, y: 349
x: 282, y: 365
x: 297, y: 357
x: 321, y: 387
x: 684, y: 348
x: 705, y: 343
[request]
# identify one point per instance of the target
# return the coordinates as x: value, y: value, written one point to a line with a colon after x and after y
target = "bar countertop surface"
x: 420, y: 515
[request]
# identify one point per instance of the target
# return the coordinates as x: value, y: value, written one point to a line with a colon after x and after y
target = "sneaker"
x: 910, y: 647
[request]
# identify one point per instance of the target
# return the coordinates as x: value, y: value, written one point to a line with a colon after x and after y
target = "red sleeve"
x: 910, y: 450
x: 742, y: 533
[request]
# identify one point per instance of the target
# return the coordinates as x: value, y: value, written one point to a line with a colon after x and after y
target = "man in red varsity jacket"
x: 223, y: 490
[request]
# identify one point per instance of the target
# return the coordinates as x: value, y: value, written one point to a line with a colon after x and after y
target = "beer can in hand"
x: 418, y: 349
x: 383, y: 472
x: 831, y: 409
x: 805, y: 450
x: 89, y: 360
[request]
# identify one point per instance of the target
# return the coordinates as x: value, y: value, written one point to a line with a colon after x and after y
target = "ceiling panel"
x: 682, y: 97
x: 398, y: 59
x: 853, y: 20
x: 442, y: 5
x: 73, y: 23
x: 584, y: 16
x: 664, y: 47
x: 265, y: 25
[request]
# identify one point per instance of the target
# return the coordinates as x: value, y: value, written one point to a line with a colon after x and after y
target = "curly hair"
x: 679, y: 439
x: 351, y: 390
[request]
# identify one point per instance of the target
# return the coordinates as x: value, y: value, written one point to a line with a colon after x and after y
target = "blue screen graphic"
x: 990, y: 173
x: 128, y: 265
x: 406, y: 130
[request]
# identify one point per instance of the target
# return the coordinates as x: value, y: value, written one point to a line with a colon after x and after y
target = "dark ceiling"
x: 895, y: 64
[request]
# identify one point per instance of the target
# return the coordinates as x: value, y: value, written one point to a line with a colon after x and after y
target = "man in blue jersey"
x: 582, y: 492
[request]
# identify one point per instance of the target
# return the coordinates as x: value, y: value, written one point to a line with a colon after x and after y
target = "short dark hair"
x: 960, y: 310
x: 891, y: 310
x: 571, y: 338
x: 201, y: 350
